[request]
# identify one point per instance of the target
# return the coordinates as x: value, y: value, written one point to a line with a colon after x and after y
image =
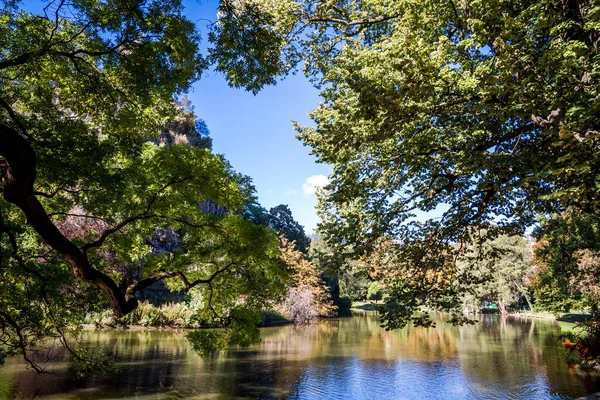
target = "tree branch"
x: 22, y: 342
x: 18, y: 180
x: 346, y: 23
x: 143, y: 215
x: 144, y: 283
x: 507, y: 136
x: 13, y: 116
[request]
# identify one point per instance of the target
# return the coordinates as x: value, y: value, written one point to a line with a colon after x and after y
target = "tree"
x: 90, y: 131
x: 481, y: 111
x: 375, y: 291
x: 346, y: 278
x: 501, y: 270
x: 280, y: 218
x: 567, y: 259
x: 309, y: 296
x: 568, y: 262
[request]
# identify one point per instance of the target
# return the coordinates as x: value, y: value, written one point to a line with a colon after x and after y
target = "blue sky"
x: 255, y: 132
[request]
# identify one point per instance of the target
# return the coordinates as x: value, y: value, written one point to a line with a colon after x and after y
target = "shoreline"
x: 572, y: 318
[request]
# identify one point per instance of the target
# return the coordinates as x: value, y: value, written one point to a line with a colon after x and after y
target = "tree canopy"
x: 476, y: 112
x: 281, y: 219
x: 100, y: 159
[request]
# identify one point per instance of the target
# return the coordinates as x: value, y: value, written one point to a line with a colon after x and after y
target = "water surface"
x: 346, y: 358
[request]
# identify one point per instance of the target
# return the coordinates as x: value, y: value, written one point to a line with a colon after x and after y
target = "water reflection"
x: 349, y: 358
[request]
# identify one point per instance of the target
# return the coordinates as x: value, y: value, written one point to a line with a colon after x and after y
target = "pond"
x: 344, y: 358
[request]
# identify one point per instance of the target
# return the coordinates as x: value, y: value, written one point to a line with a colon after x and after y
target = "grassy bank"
x: 365, y: 305
x: 168, y: 315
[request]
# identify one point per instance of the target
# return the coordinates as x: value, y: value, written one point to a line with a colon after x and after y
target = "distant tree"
x: 499, y: 270
x: 256, y: 213
x: 280, y: 218
x: 375, y: 291
x: 339, y: 269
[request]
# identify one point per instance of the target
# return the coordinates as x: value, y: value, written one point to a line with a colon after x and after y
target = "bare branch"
x: 346, y: 23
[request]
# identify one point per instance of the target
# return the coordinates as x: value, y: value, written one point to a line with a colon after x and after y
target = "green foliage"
x: 271, y: 317
x: 350, y: 276
x: 249, y: 41
x: 242, y: 331
x: 280, y: 218
x: 375, y: 291
x: 483, y: 111
x: 180, y: 315
x: 499, y: 271
x: 91, y: 361
x: 567, y: 260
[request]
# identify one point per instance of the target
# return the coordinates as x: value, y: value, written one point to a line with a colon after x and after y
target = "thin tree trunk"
x: 502, y: 308
x: 528, y: 302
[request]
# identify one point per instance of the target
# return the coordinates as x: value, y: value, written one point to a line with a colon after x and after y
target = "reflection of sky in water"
x: 357, y: 379
x: 349, y: 358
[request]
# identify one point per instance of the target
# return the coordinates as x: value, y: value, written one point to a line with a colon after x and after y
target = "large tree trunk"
x: 17, y: 174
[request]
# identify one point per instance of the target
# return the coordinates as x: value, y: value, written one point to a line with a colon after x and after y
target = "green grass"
x: 366, y: 305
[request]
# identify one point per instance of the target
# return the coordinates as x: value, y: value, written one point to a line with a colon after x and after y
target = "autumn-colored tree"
x: 309, y: 296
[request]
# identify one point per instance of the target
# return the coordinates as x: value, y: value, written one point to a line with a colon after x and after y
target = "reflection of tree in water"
x: 510, y: 351
x: 336, y: 358
x: 139, y: 355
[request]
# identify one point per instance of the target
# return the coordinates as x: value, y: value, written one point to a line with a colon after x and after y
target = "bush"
x: 179, y: 315
x: 300, y: 305
x: 272, y: 317
x: 584, y: 346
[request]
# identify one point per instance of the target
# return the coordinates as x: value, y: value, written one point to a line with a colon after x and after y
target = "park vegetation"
x: 452, y: 128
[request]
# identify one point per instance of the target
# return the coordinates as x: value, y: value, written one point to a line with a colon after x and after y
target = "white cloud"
x: 313, y: 182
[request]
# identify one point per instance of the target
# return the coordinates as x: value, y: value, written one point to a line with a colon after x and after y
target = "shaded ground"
x: 572, y: 317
